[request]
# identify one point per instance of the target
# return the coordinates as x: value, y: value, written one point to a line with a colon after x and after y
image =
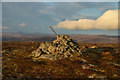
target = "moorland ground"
x: 16, y: 64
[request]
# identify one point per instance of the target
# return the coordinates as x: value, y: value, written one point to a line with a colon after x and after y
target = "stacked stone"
x: 60, y: 48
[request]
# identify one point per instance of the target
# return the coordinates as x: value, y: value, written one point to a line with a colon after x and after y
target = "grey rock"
x: 60, y: 48
x: 48, y: 56
x: 36, y: 53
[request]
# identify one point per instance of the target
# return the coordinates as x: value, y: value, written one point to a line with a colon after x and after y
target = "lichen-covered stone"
x: 36, y: 53
x: 62, y: 47
x: 48, y: 56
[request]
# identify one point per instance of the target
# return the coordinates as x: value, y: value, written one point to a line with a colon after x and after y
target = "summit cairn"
x: 62, y: 47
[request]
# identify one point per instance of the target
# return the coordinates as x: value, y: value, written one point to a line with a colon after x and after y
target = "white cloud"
x: 5, y: 27
x: 22, y: 24
x: 108, y: 21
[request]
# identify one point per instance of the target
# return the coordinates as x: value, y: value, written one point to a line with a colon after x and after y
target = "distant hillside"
x: 95, y: 38
x: 51, y: 37
x: 27, y: 38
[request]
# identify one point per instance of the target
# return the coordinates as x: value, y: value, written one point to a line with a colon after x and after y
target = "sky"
x: 60, y: 0
x: 91, y: 18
